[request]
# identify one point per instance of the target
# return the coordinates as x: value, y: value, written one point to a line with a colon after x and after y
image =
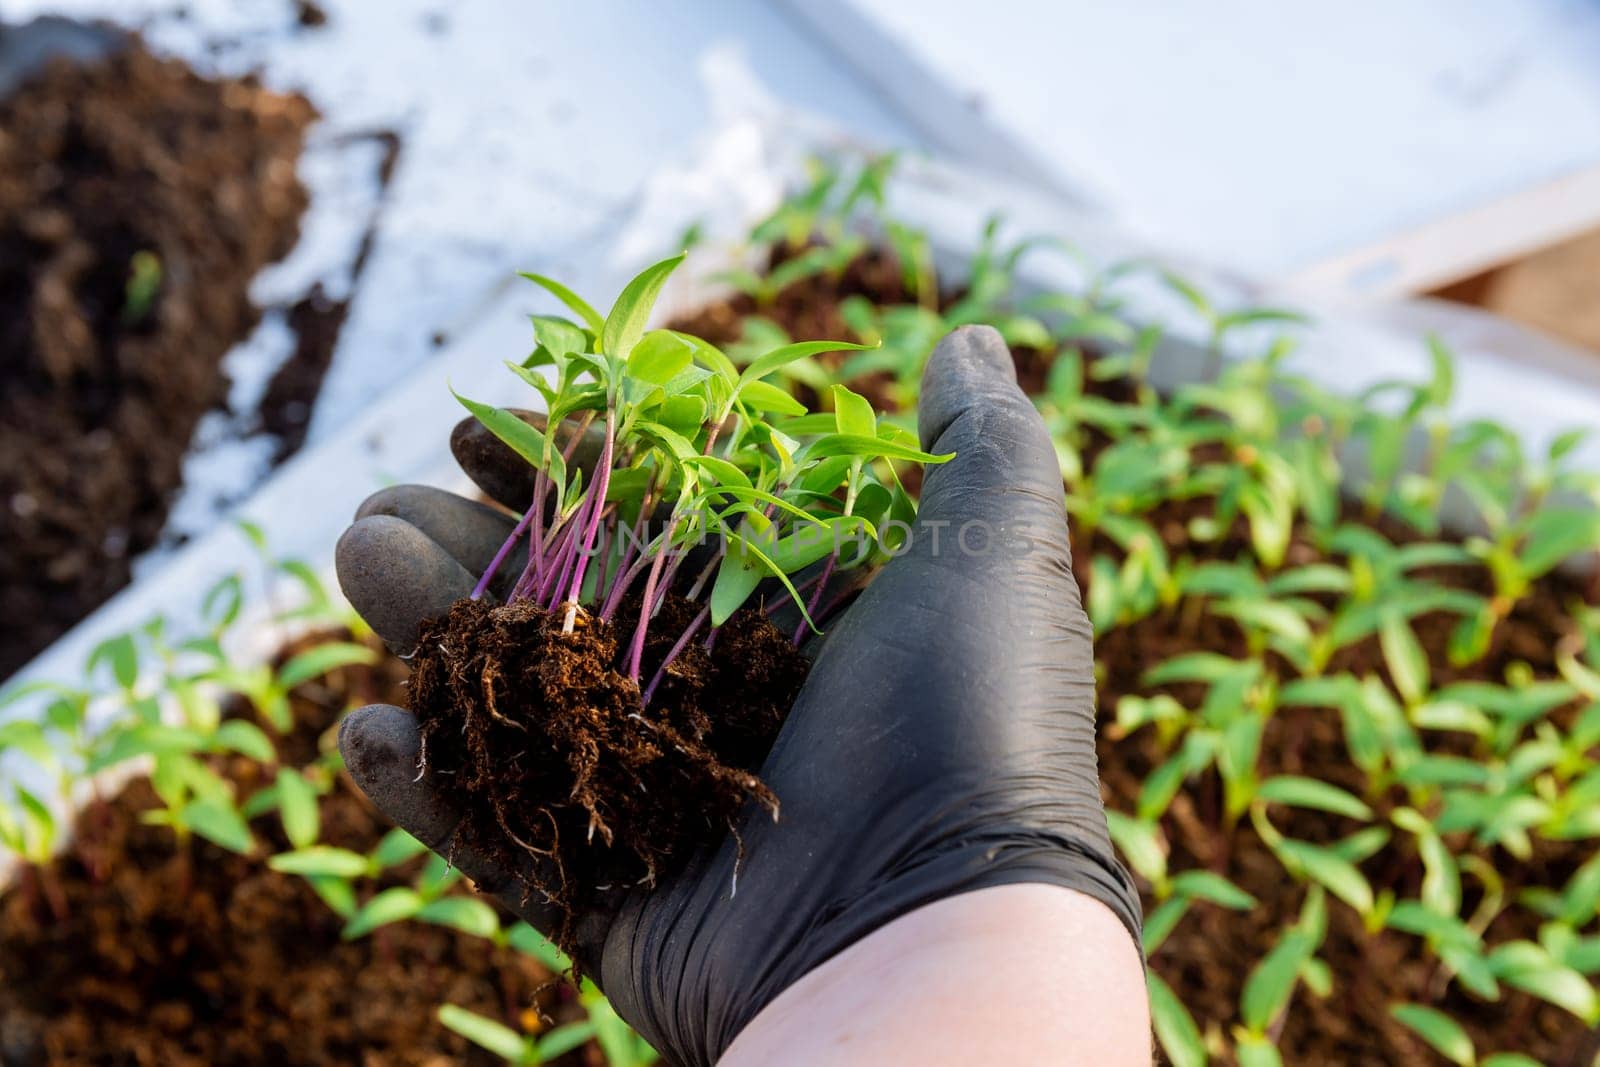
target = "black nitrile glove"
x: 944, y: 741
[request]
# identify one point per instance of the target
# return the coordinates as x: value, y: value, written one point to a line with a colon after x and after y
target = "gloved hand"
x: 943, y: 743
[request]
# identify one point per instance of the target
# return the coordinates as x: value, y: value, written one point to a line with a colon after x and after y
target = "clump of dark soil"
x: 1208, y: 957
x: 174, y: 957
x: 137, y: 201
x: 562, y: 770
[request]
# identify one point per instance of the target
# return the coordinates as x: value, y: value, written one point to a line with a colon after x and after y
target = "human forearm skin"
x: 1010, y: 974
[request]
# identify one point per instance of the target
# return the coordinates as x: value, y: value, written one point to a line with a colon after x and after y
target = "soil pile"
x: 188, y: 958
x: 562, y: 771
x: 137, y: 201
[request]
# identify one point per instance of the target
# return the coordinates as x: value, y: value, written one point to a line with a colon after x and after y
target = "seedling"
x: 715, y: 493
x: 620, y: 1046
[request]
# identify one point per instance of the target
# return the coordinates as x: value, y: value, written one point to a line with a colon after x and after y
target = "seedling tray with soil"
x: 137, y: 202
x: 189, y: 954
x: 1182, y: 622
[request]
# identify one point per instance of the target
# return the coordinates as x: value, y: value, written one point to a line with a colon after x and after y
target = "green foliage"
x: 728, y: 457
x: 1251, y: 510
x: 143, y: 286
x: 1310, y: 537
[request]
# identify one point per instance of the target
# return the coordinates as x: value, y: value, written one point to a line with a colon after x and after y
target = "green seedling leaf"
x: 1193, y: 667
x: 721, y: 470
x: 1451, y: 715
x: 1469, y: 640
x: 297, y: 806
x: 218, y: 823
x: 467, y: 914
x: 736, y: 580
x: 809, y: 425
x: 1311, y: 578
x: 391, y: 905
x: 591, y: 318
x: 1555, y: 534
x: 625, y: 324
x: 1206, y: 885
x: 1162, y: 784
x: 315, y: 662
x: 853, y: 414
x: 320, y: 860
x: 253, y: 533
x: 1318, y: 977
x: 1256, y: 1050
x: 35, y: 840
x: 746, y: 564
x: 762, y: 396
x: 485, y: 1033
x: 1443, y: 1033
x: 558, y: 339
x: 530, y: 942
x: 563, y: 1039
x: 1526, y: 966
x: 247, y: 739
x: 524, y: 440
x: 1162, y: 921
x: 659, y: 357
x: 869, y: 448
x: 682, y: 414
x: 1141, y: 844
x: 1403, y: 654
x: 338, y: 894
x: 121, y: 655
x: 1271, y: 983
x: 1441, y: 879
x: 674, y: 443
x: 778, y: 358
x: 437, y: 877
x: 1581, y: 897
x: 222, y: 602
x: 618, y: 1043
x: 1302, y: 792
x: 28, y: 738
x: 14, y: 693
x: 1190, y: 295
x: 1174, y: 1026
x: 396, y: 848
x: 1327, y: 868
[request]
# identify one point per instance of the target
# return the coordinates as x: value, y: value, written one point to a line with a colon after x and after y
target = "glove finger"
x: 396, y: 577
x: 469, y: 531
x: 998, y: 507
x: 504, y: 476
x: 382, y: 750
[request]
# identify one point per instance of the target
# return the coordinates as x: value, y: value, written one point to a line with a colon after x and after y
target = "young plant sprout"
x: 693, y: 450
x: 627, y: 654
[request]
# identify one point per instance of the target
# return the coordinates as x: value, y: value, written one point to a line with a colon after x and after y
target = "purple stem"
x: 627, y: 570
x: 705, y: 574
x: 816, y: 598
x: 597, y: 490
x: 605, y: 561
x: 559, y: 568
x: 637, y: 652
x: 784, y: 597
x: 538, y: 542
x: 673, y: 653
x: 667, y: 576
x: 505, y: 550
